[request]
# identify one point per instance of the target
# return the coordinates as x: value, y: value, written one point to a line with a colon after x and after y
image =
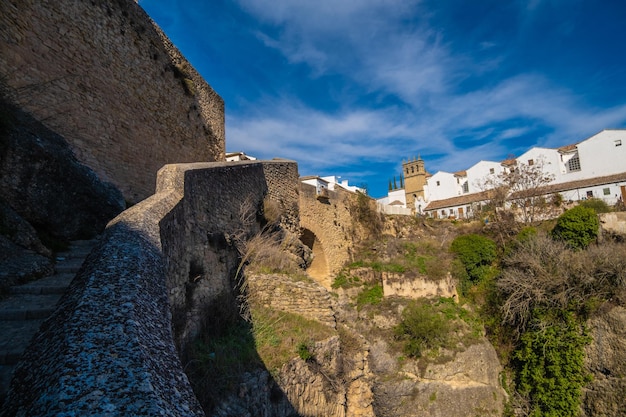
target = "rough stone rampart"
x: 113, y: 346
x: 105, y: 77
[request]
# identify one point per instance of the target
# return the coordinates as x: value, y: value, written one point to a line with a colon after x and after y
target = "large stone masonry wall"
x: 113, y: 346
x: 104, y: 76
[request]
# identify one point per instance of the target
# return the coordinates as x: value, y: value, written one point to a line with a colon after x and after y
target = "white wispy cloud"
x: 370, y: 43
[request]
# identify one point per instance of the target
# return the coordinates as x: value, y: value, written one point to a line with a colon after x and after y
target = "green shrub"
x: 345, y: 280
x: 577, y: 227
x: 550, y: 365
x: 475, y: 256
x: 371, y: 295
x: 599, y: 206
x: 526, y: 233
x: 304, y: 352
x: 421, y: 328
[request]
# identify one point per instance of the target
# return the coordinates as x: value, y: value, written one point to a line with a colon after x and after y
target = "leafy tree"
x: 598, y: 205
x: 577, y: 227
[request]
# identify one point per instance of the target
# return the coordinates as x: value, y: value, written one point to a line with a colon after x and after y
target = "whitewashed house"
x: 479, y: 174
x: 330, y: 183
x: 238, y: 156
x: 592, y: 168
x: 440, y: 186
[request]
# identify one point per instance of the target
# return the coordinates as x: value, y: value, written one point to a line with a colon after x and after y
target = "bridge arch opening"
x: 318, y: 270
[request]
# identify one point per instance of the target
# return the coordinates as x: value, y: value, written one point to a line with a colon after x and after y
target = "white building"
x: 592, y: 168
x: 330, y: 183
x: 440, y: 186
x: 238, y: 156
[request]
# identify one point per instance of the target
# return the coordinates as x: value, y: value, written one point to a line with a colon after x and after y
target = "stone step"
x: 16, y: 336
x: 54, y: 284
x: 28, y: 306
x: 69, y: 266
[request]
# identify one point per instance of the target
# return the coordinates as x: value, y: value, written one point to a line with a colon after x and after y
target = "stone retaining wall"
x: 307, y: 299
x: 112, y: 347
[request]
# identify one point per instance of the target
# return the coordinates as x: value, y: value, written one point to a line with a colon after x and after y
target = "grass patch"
x: 399, y: 256
x: 281, y: 336
x: 370, y: 296
x: 345, y: 280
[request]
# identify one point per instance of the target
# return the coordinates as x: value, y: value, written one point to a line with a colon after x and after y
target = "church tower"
x: 414, y: 180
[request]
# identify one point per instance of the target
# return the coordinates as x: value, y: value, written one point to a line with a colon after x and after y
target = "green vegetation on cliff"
x: 577, y: 227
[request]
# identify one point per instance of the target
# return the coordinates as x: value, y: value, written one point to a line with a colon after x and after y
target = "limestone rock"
x: 41, y: 180
x: 606, y: 360
x: 19, y: 231
x: 18, y: 265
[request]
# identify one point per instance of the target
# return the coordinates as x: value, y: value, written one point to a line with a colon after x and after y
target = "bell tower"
x: 414, y: 180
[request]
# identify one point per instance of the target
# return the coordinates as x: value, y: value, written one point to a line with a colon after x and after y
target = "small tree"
x: 577, y: 227
x: 521, y: 188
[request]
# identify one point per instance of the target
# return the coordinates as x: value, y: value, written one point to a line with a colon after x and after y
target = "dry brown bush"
x: 542, y: 273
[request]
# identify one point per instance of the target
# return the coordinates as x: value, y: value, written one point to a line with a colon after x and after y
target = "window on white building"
x: 573, y: 164
x: 531, y: 162
x: 589, y: 194
x: 492, y: 170
x: 606, y: 191
x: 438, y: 184
x: 618, y: 142
x: 466, y: 187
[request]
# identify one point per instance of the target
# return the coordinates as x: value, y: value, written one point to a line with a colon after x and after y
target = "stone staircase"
x: 28, y: 305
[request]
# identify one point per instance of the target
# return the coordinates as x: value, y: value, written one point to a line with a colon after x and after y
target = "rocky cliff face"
x: 360, y: 371
x: 44, y: 191
x: 41, y: 180
x: 606, y: 360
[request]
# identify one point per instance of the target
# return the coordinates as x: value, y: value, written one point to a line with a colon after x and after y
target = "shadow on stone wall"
x: 111, y: 346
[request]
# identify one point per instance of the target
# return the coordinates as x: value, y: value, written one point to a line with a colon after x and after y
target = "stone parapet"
x: 114, y: 344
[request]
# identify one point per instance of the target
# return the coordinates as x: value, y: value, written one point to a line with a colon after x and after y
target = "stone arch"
x: 319, y: 269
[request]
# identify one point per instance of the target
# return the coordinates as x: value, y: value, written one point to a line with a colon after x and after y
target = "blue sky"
x: 353, y: 87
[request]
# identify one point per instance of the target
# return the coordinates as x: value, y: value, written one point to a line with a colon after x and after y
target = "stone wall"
x: 112, y: 347
x: 614, y: 222
x: 105, y: 77
x: 307, y: 299
x: 418, y: 286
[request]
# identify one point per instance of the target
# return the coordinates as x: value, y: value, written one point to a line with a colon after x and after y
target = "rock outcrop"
x: 606, y: 360
x: 41, y: 180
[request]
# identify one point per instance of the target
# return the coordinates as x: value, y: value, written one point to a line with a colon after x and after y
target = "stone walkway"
x: 28, y: 305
